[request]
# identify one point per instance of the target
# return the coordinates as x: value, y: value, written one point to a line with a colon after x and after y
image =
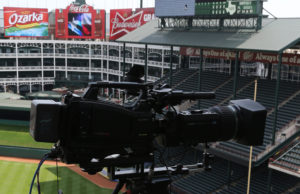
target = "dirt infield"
x: 96, y: 179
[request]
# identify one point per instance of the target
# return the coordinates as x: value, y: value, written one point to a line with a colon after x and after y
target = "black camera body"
x: 87, y: 129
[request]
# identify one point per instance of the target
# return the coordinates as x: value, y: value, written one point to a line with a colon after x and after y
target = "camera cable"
x: 162, y: 161
x: 58, y: 191
x: 37, y: 174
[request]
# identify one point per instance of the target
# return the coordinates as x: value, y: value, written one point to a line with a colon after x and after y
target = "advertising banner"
x: 24, y: 22
x: 60, y: 23
x: 82, y: 22
x: 100, y: 24
x: 287, y: 58
x: 147, y: 14
x: 123, y: 21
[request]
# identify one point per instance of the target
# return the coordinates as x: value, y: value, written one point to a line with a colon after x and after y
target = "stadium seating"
x: 210, y: 80
x: 224, y: 92
x: 178, y: 76
x: 286, y: 114
x: 210, y: 181
x: 177, y: 155
x: 222, y: 84
x: 280, y: 183
x: 217, y: 181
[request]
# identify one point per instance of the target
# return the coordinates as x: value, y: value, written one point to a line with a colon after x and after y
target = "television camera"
x: 95, y: 133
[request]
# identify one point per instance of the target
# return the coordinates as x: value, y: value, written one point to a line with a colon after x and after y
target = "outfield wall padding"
x: 22, y: 152
x: 18, y: 115
x: 14, y: 122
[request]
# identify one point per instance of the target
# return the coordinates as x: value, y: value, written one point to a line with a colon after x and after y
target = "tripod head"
x: 152, y: 180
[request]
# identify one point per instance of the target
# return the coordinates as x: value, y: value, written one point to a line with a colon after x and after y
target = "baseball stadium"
x: 226, y: 48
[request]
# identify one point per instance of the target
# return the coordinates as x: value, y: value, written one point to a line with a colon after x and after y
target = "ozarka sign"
x: 25, y: 22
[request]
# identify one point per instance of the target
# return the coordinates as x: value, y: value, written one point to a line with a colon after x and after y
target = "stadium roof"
x: 276, y: 35
x: 45, y: 94
x: 9, y: 95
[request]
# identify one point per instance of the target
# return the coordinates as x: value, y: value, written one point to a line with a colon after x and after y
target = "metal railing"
x: 48, y: 54
x: 78, y: 68
x: 14, y: 68
x: 29, y: 54
x: 281, y: 135
x: 27, y: 79
x: 78, y: 55
x: 4, y: 55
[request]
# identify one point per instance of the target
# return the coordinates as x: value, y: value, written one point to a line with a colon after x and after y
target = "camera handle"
x: 207, y: 158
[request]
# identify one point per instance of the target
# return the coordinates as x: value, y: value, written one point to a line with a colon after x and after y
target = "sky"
x: 279, y: 8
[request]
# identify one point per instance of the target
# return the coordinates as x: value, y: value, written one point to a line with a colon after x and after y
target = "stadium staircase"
x: 288, y: 159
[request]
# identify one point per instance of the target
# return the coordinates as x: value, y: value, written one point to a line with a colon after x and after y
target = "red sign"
x: 60, y: 29
x: 82, y: 8
x: 123, y: 21
x: 287, y: 58
x: 148, y: 14
x: 25, y: 21
x: 82, y: 22
x: 99, y: 32
x: 290, y: 59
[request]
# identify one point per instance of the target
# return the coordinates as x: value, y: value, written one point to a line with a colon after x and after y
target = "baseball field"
x: 16, y: 179
x: 14, y: 135
x: 15, y: 176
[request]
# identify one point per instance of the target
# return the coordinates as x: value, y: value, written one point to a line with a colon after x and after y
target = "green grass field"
x: 16, y: 179
x: 19, y: 136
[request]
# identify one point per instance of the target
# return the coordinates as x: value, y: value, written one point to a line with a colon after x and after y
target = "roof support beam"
x: 269, y: 180
x: 146, y: 63
x: 171, y: 66
x: 200, y: 75
x: 235, y: 79
x: 228, y: 173
x: 124, y: 60
x: 276, y: 97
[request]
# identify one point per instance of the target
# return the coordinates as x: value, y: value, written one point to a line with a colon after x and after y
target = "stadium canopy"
x: 276, y: 35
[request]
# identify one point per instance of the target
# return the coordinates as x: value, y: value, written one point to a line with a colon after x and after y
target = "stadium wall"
x: 22, y: 152
x: 16, y: 114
